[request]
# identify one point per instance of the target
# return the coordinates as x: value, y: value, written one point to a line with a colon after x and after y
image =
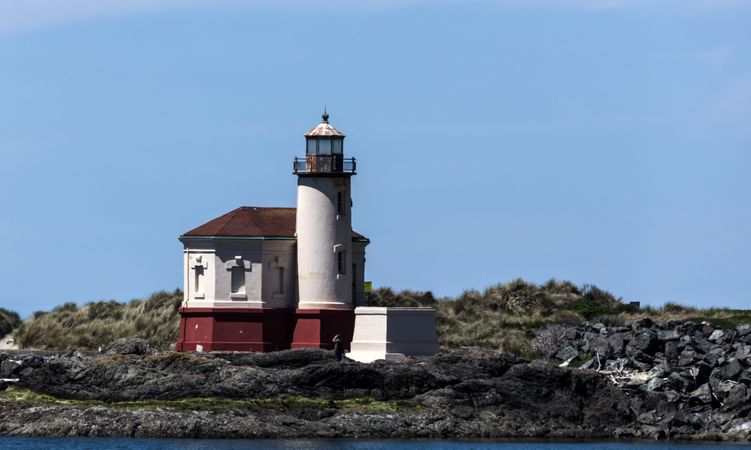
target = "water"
x: 192, y: 444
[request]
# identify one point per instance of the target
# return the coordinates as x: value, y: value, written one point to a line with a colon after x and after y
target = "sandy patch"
x: 7, y: 343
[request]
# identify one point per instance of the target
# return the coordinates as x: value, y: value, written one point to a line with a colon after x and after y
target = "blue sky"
x: 605, y: 142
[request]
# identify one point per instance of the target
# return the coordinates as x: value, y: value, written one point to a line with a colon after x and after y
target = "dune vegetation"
x: 9, y: 320
x: 502, y: 316
x: 96, y: 324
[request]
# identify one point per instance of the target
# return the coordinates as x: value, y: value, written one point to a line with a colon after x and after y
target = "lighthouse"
x: 265, y: 279
x: 327, y: 271
x: 273, y: 278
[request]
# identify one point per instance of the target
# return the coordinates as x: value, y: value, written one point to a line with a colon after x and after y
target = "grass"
x: 719, y: 317
x: 9, y: 320
x: 504, y: 316
x: 99, y: 323
x: 26, y: 398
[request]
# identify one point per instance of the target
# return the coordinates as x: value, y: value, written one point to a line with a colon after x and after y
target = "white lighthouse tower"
x: 324, y: 223
x: 325, y: 270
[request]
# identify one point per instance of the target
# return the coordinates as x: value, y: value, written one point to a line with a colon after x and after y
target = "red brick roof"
x: 252, y: 221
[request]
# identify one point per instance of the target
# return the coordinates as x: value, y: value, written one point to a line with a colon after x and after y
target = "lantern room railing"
x: 324, y: 164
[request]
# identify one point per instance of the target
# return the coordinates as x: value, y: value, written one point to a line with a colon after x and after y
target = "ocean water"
x: 192, y: 444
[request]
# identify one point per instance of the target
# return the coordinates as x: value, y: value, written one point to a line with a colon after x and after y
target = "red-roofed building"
x: 262, y: 279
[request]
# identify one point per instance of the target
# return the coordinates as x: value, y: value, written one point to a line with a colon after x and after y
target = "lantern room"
x: 324, y: 152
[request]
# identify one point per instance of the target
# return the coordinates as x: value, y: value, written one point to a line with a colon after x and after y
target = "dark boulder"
x: 702, y: 395
x: 617, y: 343
x: 642, y: 324
x: 700, y: 372
x: 729, y: 371
x: 645, y: 341
x: 566, y: 353
x: 704, y: 346
x: 341, y: 377
x: 600, y: 346
x: 285, y: 359
x: 679, y: 383
x: 672, y: 350
x: 717, y: 336
x: 712, y: 359
x: 129, y: 346
x: 729, y: 393
x: 743, y: 351
x: 655, y: 384
x: 687, y: 358
x: 734, y: 394
x: 743, y: 330
x: 667, y: 335
x: 745, y: 377
x: 9, y: 368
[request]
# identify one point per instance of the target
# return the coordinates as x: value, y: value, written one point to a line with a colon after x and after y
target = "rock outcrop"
x: 667, y: 381
x: 681, y: 377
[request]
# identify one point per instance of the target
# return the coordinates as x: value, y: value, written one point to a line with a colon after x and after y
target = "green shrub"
x: 9, y: 320
x: 69, y: 306
x: 553, y: 286
x: 611, y: 320
x: 588, y: 309
x: 566, y: 317
x: 387, y: 297
x: 677, y: 308
x: 596, y: 302
x: 595, y: 295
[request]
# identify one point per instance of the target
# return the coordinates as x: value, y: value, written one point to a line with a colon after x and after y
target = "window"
x: 336, y: 146
x: 340, y: 261
x: 340, y: 203
x: 237, y: 268
x: 312, y: 147
x: 324, y: 146
x: 238, y: 280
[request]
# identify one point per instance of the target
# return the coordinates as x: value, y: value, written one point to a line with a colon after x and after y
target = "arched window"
x: 237, y: 268
x: 276, y: 267
x: 238, y: 280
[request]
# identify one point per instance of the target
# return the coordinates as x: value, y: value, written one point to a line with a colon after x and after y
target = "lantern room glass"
x: 324, y: 146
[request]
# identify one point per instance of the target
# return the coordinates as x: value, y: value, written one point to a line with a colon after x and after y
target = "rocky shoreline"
x: 680, y: 381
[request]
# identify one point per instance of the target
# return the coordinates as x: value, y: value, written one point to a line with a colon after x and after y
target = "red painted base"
x: 315, y: 328
x: 235, y: 329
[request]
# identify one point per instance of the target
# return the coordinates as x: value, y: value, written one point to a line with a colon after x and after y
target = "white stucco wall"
x: 321, y: 233
x: 276, y: 255
x: 260, y: 260
x: 392, y: 333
